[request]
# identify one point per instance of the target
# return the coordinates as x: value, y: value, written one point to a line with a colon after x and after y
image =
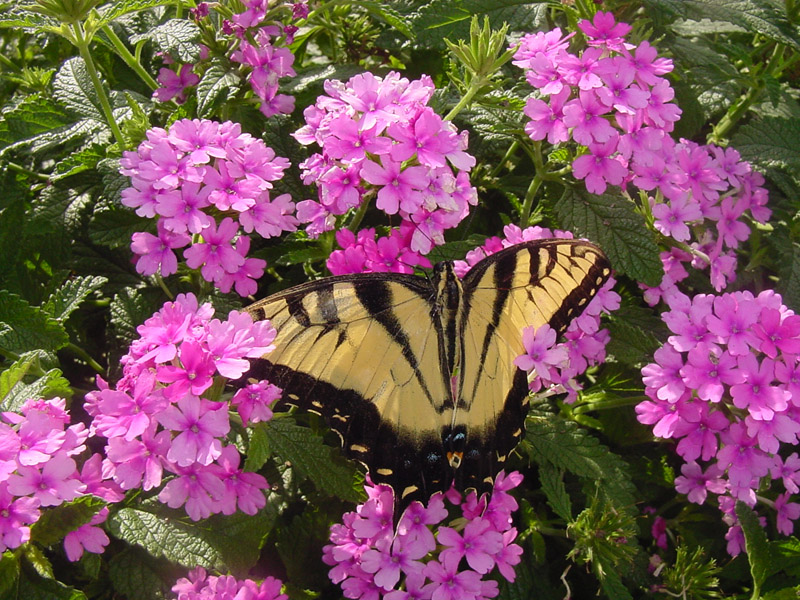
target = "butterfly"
x: 416, y: 374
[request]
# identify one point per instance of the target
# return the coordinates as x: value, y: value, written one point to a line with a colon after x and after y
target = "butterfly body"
x: 416, y: 375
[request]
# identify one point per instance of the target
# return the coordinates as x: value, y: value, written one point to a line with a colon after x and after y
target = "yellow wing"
x: 529, y: 284
x: 365, y: 352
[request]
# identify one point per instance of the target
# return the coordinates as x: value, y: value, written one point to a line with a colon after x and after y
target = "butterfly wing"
x: 529, y: 284
x: 366, y: 353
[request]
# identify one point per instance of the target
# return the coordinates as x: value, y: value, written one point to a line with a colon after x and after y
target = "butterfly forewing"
x: 364, y: 352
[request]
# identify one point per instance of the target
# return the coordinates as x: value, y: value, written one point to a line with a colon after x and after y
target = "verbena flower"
x: 163, y: 428
x: 611, y: 100
x: 726, y: 390
x: 371, y: 557
x: 187, y: 177
x: 378, y: 138
x: 199, y: 585
x: 38, y: 470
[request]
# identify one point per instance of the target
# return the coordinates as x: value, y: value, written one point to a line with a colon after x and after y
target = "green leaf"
x: 385, y: 13
x: 86, y: 158
x: 222, y: 542
x: 113, y: 227
x: 32, y: 586
x: 565, y: 446
x: 49, y: 385
x: 442, y: 19
x: 9, y: 571
x: 70, y: 295
x: 177, y: 37
x: 73, y: 88
x: 119, y: 8
x: 612, y: 585
x: 770, y: 142
x: 129, y: 309
x: 306, y: 452
x: 552, y: 480
x: 136, y: 577
x: 788, y: 264
x: 14, y: 374
x: 756, y: 546
x: 31, y: 327
x: 33, y: 116
x: 299, y: 544
x: 764, y: 17
x: 57, y: 521
x: 218, y: 85
x: 177, y: 541
x: 15, y: 16
x: 636, y: 333
x: 612, y: 222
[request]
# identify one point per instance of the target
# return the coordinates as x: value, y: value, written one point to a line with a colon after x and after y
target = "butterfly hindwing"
x: 363, y: 351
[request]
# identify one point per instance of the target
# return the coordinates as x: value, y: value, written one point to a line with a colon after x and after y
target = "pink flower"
x: 216, y: 254
x: 56, y: 482
x: 200, y: 423
x: 175, y: 84
x: 87, y: 537
x: 15, y: 516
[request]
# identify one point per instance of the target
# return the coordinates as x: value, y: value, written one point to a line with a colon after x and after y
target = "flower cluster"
x: 262, y: 47
x: 727, y: 386
x: 190, y: 177
x: 256, y: 38
x: 161, y: 416
x: 199, y: 585
x: 421, y: 556
x: 612, y: 100
x: 361, y: 253
x: 550, y: 364
x: 379, y: 138
x: 37, y: 470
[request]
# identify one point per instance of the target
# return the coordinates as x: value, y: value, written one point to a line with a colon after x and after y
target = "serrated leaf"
x: 174, y: 540
x: 9, y: 572
x: 135, y: 577
x: 612, y: 222
x: 31, y: 327
x: 756, y: 16
x: 770, y: 142
x: 31, y: 117
x: 18, y: 17
x: 14, y: 374
x: 788, y: 269
x: 73, y: 88
x: 114, y: 227
x: 177, y: 37
x: 86, y: 158
x: 385, y: 13
x: 119, y: 8
x: 70, y: 295
x: 755, y: 543
x: 49, y: 385
x: 612, y: 585
x: 32, y: 586
x: 633, y: 334
x: 442, y: 19
x: 567, y: 447
x: 218, y: 85
x: 552, y: 480
x: 239, y: 537
x: 57, y: 521
x: 258, y: 449
x: 306, y: 452
x: 129, y: 309
x: 298, y: 544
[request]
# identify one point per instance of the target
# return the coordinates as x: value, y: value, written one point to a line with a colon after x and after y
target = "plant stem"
x: 359, y: 215
x: 83, y: 48
x: 474, y: 87
x: 80, y: 352
x: 129, y: 58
